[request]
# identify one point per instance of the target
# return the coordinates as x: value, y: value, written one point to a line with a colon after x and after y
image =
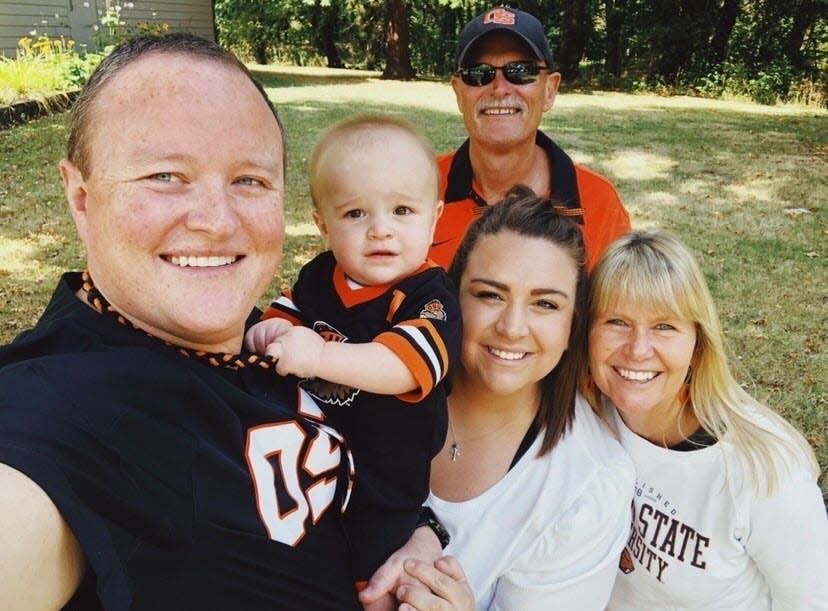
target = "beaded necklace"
x: 214, y: 359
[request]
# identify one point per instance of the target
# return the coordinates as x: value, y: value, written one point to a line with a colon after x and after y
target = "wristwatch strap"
x: 427, y: 518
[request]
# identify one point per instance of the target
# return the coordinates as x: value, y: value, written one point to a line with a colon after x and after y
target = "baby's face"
x: 378, y: 208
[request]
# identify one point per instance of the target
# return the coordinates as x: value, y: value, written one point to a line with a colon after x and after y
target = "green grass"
x: 724, y: 176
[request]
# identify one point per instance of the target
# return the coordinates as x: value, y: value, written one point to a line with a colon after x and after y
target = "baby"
x: 371, y: 325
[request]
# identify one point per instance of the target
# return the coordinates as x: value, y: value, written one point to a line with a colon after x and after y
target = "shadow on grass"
x: 274, y: 77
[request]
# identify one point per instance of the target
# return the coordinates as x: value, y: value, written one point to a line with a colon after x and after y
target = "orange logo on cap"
x: 500, y: 16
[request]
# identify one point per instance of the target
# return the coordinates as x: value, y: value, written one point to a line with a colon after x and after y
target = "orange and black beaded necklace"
x: 215, y: 359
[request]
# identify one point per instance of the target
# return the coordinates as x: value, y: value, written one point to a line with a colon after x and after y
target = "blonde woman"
x: 727, y: 513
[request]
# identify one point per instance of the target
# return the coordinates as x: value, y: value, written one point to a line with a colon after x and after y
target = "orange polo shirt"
x: 605, y: 217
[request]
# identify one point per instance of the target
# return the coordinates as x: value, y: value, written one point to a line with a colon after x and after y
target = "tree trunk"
x: 728, y: 15
x: 397, y: 54
x: 573, y: 38
x: 805, y: 15
x: 261, y: 52
x: 616, y: 12
x: 328, y: 30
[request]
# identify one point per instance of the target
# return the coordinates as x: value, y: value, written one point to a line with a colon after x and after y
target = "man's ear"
x: 552, y: 84
x: 456, y: 85
x: 74, y: 185
x: 321, y: 226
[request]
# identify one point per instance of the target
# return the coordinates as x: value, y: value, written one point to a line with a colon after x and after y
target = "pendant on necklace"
x: 454, y: 452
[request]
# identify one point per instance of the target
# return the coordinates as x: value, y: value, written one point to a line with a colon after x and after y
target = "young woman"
x: 727, y: 513
x: 530, y: 484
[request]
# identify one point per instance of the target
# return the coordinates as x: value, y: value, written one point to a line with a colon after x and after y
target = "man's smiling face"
x: 181, y: 207
x: 502, y: 113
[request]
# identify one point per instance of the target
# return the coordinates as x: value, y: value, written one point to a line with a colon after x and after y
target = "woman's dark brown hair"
x: 524, y: 213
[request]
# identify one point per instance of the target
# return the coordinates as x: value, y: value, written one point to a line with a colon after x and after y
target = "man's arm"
x: 41, y: 562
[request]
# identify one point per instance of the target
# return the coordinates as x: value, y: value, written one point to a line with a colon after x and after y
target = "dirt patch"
x: 26, y: 110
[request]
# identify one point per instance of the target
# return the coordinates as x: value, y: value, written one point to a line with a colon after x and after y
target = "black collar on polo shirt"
x: 564, y: 181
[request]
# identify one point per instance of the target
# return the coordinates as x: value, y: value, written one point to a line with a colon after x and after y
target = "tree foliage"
x: 765, y: 48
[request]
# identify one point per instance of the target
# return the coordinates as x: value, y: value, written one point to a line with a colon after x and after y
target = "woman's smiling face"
x: 517, y: 296
x: 640, y: 358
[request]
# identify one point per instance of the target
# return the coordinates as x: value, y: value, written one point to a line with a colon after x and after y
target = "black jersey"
x: 187, y: 486
x: 393, y: 438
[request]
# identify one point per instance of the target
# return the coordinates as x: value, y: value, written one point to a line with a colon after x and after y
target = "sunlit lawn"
x: 745, y: 186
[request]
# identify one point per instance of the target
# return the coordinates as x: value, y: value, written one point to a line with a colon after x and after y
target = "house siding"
x: 19, y: 19
x: 76, y: 19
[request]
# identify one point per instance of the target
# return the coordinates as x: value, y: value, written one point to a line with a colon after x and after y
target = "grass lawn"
x: 746, y: 186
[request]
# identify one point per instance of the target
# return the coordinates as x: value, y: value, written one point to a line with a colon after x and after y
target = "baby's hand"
x: 262, y: 334
x: 298, y: 351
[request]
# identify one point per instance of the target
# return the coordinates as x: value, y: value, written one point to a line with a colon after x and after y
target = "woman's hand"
x: 423, y: 545
x: 438, y: 587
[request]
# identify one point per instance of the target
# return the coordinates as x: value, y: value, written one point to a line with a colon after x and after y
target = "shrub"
x: 47, y: 65
x: 43, y: 66
x: 809, y: 93
x: 771, y: 84
x: 113, y: 29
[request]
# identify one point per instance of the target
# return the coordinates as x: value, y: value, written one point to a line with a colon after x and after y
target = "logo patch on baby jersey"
x: 328, y: 333
x: 328, y: 392
x: 434, y: 309
x: 322, y: 390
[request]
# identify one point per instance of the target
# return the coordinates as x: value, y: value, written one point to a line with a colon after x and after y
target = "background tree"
x: 767, y: 49
x: 326, y: 20
x: 723, y: 29
x: 777, y: 44
x: 397, y: 54
x: 672, y: 39
x: 252, y: 25
x: 615, y: 15
x: 573, y: 38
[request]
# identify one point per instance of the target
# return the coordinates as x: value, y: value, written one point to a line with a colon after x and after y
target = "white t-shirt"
x: 549, y: 534
x: 700, y: 541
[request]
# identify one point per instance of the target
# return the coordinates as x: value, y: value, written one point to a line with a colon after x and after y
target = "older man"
x: 504, y: 83
x: 144, y: 462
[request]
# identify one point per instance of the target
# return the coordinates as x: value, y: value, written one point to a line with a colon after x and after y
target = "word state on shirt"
x: 658, y: 537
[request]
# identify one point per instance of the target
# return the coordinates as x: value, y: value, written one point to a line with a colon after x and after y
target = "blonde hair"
x: 655, y: 270
x: 362, y: 131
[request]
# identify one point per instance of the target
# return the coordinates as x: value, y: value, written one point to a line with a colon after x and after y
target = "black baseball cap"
x: 503, y: 18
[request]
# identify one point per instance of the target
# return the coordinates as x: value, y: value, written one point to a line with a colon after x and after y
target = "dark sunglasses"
x: 517, y: 73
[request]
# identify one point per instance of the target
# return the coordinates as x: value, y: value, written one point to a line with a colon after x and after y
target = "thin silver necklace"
x: 454, y: 448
